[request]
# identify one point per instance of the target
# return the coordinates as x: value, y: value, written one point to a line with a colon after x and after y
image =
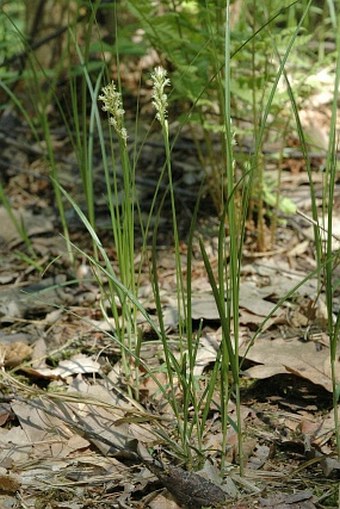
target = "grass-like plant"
x: 328, y: 197
x: 33, y: 76
x: 122, y: 218
x: 235, y: 192
x: 326, y: 258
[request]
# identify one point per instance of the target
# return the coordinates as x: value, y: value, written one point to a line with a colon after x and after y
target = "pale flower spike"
x: 160, y: 99
x: 113, y: 104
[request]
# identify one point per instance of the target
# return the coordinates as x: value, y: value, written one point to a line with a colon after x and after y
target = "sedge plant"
x: 326, y: 258
x: 226, y: 287
x: 40, y: 100
x: 328, y: 197
x: 191, y: 410
x: 123, y: 283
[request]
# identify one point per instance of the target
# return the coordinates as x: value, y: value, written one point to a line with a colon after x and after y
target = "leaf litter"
x: 71, y: 431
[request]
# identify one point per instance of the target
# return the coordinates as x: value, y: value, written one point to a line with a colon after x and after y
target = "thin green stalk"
x: 233, y: 277
x: 107, y: 270
x: 304, y: 149
x: 50, y: 157
x: 41, y: 102
x: 160, y: 81
x: 190, y: 396
x: 172, y: 365
x: 283, y: 61
x: 277, y: 190
x: 227, y: 356
x: 19, y: 225
x: 83, y: 143
x: 330, y: 179
x: 122, y: 214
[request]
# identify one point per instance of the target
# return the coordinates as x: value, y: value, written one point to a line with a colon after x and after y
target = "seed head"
x: 160, y: 99
x: 113, y: 104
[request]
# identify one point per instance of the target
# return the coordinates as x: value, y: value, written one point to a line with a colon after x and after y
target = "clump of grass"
x: 328, y: 201
x: 192, y: 408
x: 122, y: 219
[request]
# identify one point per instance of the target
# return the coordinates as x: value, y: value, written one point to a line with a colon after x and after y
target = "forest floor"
x: 73, y: 433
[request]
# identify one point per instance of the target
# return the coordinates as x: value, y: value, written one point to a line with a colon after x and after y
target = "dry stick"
x: 186, y: 487
x: 115, y: 449
x: 315, y: 223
